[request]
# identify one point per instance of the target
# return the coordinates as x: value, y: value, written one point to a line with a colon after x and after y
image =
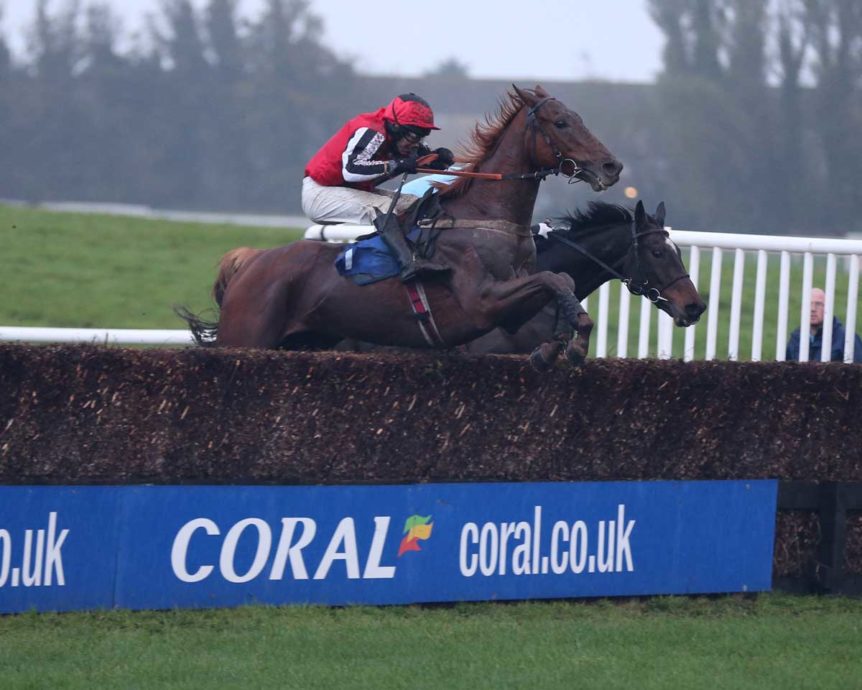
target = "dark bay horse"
x: 292, y: 297
x: 593, y: 247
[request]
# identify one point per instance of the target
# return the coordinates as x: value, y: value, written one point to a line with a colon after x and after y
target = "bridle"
x: 536, y: 128
x: 640, y: 287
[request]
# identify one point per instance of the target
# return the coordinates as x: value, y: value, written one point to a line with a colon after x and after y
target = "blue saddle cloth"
x: 369, y: 261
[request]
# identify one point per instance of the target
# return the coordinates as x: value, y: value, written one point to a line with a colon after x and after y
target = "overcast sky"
x: 524, y: 39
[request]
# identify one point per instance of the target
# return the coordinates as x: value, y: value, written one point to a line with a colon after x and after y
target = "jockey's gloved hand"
x: 445, y: 158
x: 404, y: 165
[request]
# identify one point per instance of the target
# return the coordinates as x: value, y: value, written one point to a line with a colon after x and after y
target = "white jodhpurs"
x: 346, y: 205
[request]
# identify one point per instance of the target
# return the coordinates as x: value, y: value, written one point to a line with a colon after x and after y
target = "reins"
x: 642, y: 289
x: 537, y: 175
x: 541, y: 174
x: 418, y: 300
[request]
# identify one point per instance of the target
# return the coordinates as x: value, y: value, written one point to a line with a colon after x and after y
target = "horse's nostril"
x: 612, y: 168
x: 693, y: 311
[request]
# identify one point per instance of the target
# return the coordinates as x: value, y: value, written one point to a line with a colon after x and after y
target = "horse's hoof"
x: 576, y: 353
x: 538, y: 361
x: 545, y: 355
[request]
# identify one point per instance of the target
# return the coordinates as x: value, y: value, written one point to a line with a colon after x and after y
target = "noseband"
x: 653, y: 294
x: 642, y: 288
x: 536, y: 128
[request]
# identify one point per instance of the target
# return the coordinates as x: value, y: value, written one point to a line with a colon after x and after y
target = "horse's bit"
x: 642, y: 288
x: 536, y: 127
x: 540, y: 174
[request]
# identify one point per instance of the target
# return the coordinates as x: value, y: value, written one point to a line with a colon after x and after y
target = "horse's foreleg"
x: 580, y: 321
x: 544, y: 356
x: 513, y: 302
x: 574, y: 327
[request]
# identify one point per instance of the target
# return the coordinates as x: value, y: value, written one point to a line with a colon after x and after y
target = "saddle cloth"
x: 369, y: 260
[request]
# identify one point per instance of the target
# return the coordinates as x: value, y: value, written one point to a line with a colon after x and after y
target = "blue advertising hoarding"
x: 138, y: 547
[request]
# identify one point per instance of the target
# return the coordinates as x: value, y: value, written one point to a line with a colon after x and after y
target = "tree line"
x: 762, y: 115
x: 204, y: 111
x: 754, y: 124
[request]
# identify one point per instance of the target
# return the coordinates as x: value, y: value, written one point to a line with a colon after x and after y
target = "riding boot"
x: 411, y: 267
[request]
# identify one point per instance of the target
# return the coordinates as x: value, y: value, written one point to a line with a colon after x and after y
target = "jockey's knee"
x: 568, y: 280
x: 366, y: 214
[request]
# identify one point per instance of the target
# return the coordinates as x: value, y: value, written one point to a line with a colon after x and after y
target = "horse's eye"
x: 561, y: 124
x: 657, y: 253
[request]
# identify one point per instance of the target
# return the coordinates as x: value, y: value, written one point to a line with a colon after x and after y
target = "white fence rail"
x: 819, y: 258
x: 108, y: 336
x: 719, y: 318
x: 765, y: 248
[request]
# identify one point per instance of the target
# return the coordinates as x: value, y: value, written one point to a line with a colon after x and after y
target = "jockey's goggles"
x: 413, y: 135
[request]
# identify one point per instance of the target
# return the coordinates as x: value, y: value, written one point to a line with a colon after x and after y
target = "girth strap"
x: 422, y: 310
x: 498, y: 225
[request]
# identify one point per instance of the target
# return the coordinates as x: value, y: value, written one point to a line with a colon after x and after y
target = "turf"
x: 722, y: 302
x: 107, y: 271
x: 87, y: 271
x: 772, y: 641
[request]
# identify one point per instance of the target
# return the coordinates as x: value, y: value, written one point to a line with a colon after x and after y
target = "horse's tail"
x: 204, y: 332
x: 230, y: 263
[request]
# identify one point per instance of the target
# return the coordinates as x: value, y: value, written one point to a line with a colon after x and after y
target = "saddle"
x: 369, y: 259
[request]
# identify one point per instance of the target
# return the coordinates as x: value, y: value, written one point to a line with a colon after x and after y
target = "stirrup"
x: 417, y: 268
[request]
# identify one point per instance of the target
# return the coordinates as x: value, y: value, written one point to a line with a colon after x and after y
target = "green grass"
x: 64, y: 269
x: 723, y: 303
x: 773, y: 641
x: 106, y: 271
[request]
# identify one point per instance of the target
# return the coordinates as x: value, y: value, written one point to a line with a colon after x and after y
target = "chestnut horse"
x: 593, y: 247
x: 292, y: 297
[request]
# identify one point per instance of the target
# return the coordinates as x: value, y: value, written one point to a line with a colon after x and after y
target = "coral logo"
x: 417, y: 528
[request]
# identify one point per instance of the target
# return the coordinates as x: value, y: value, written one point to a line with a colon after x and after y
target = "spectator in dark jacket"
x: 815, y: 338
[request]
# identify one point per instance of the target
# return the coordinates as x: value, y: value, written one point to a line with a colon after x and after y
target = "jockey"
x: 340, y: 179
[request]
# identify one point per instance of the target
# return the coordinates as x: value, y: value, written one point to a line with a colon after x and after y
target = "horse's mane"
x: 598, y: 214
x: 578, y: 223
x: 483, y: 140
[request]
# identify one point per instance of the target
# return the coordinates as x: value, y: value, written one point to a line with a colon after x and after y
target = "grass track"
x: 773, y: 641
x: 76, y: 270
x: 116, y: 272
x: 107, y: 271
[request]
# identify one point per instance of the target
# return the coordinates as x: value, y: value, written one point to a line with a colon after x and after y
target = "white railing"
x: 785, y: 247
x: 616, y: 315
x: 103, y: 336
x: 718, y: 243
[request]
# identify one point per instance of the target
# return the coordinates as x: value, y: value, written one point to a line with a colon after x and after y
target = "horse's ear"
x: 640, y: 214
x: 659, y: 214
x: 526, y: 97
x: 540, y: 91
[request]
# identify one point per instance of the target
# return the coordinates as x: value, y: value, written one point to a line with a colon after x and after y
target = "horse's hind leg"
x: 251, y: 320
x: 249, y: 330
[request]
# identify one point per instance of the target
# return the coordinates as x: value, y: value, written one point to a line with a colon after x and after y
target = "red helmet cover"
x: 416, y: 113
